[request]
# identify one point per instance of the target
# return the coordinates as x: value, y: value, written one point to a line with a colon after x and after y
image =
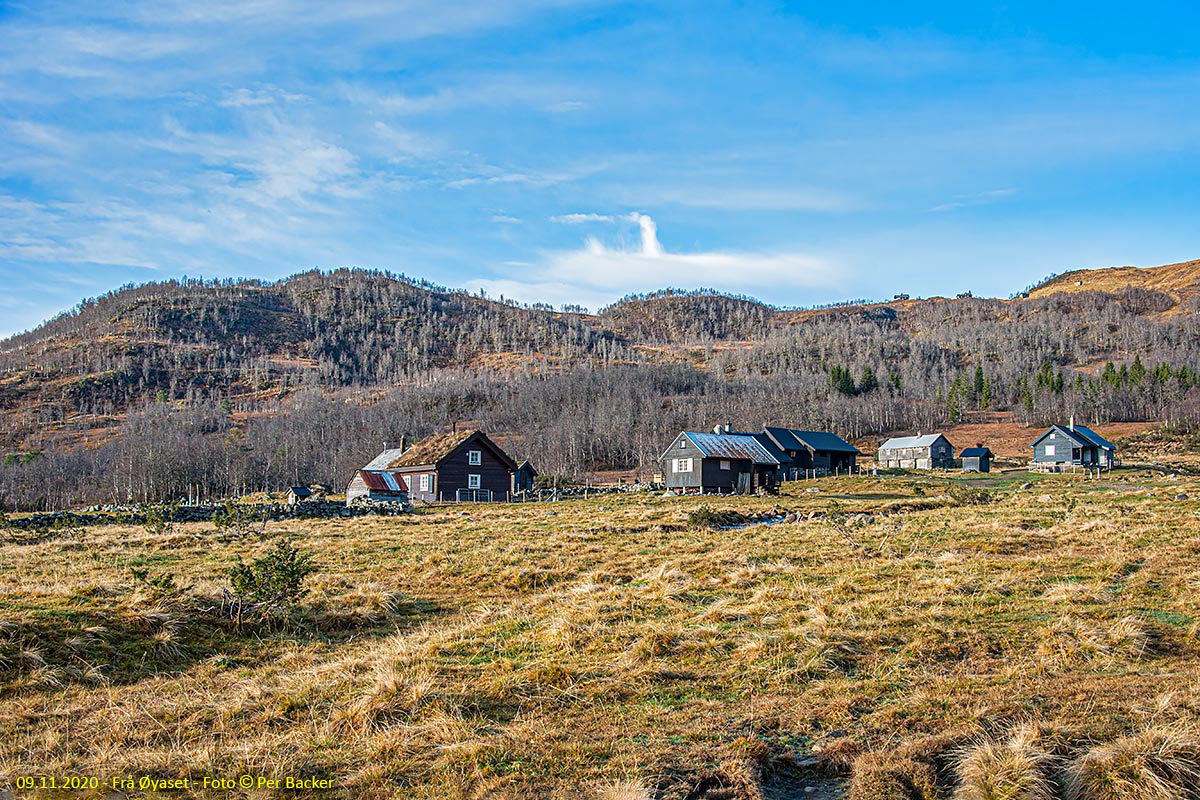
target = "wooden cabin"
x: 522, y: 480
x: 930, y: 451
x: 1065, y: 447
x: 300, y: 494
x: 976, y: 459
x: 719, y: 462
x: 462, y: 466
x: 811, y: 451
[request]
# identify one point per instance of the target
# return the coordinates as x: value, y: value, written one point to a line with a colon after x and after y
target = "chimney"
x: 401, y: 444
x: 1072, y: 422
x: 717, y: 429
x: 729, y: 427
x: 453, y: 427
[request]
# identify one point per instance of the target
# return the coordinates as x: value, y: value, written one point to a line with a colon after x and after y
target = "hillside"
x: 302, y: 379
x: 1178, y: 281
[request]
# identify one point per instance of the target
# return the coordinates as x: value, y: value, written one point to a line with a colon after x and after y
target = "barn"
x: 817, y: 451
x: 1065, y: 447
x: 929, y: 451
x: 976, y: 459
x: 721, y: 461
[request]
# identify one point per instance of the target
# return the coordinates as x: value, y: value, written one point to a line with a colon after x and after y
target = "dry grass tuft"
x: 892, y: 776
x: 1017, y: 769
x: 1152, y: 765
x: 1073, y: 639
x: 624, y: 790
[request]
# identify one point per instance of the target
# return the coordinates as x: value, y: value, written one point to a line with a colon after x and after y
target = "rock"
x: 1181, y: 496
x: 1045, y: 498
x: 791, y: 518
x: 551, y: 513
x: 1026, y: 485
x: 813, y: 489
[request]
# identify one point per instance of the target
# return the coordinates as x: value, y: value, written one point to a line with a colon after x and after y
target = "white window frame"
x: 474, y: 481
x: 725, y: 465
x: 474, y: 457
x: 425, y: 482
x: 1050, y: 450
x: 683, y: 465
x: 683, y: 444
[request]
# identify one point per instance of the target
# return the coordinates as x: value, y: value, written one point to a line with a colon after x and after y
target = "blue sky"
x: 573, y: 152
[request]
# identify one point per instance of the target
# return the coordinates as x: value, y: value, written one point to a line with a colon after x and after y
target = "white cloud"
x: 576, y: 219
x: 597, y: 274
x: 980, y: 199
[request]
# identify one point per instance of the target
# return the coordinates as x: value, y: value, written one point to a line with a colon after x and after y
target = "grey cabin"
x: 377, y: 483
x: 805, y: 451
x: 931, y: 451
x: 719, y: 462
x: 976, y: 459
x: 1065, y: 447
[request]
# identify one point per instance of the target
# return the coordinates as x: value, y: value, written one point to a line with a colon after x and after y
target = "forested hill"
x: 580, y: 391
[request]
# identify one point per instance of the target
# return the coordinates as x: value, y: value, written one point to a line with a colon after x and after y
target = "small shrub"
x: 159, y: 520
x: 270, y: 584
x: 237, y: 520
x: 965, y: 495
x: 712, y: 519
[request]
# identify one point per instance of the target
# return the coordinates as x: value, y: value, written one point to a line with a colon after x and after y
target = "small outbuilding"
x: 929, y: 451
x: 976, y: 459
x: 300, y: 494
x: 523, y: 478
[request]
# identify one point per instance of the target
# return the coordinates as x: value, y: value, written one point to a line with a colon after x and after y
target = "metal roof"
x: 975, y: 452
x: 1080, y: 434
x: 301, y: 491
x: 911, y: 441
x: 791, y: 439
x: 380, y: 481
x: 1096, y: 438
x: 743, y: 447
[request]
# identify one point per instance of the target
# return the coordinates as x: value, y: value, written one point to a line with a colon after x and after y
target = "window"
x: 472, y: 481
x: 724, y: 465
x: 683, y: 465
x: 1049, y: 449
x: 683, y: 444
x: 474, y: 457
x: 424, y: 483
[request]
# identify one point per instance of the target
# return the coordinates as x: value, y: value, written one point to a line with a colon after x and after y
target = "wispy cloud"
x: 980, y: 199
x: 597, y: 274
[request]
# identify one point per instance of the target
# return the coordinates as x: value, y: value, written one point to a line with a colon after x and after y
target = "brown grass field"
x: 908, y: 642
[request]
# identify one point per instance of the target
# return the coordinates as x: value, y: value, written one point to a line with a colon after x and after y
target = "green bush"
x: 271, y: 584
x: 239, y: 520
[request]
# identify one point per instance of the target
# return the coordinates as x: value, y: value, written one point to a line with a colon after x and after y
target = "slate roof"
x: 385, y: 458
x: 791, y: 439
x: 301, y: 491
x: 527, y: 467
x: 735, y: 446
x: 975, y: 452
x: 901, y: 442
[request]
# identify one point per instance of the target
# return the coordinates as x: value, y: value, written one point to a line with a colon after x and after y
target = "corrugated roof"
x: 733, y: 446
x: 910, y: 441
x: 792, y: 439
x: 385, y: 458
x: 975, y: 452
x: 378, y: 481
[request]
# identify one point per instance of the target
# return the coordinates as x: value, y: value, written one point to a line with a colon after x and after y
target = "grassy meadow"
x: 904, y: 638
